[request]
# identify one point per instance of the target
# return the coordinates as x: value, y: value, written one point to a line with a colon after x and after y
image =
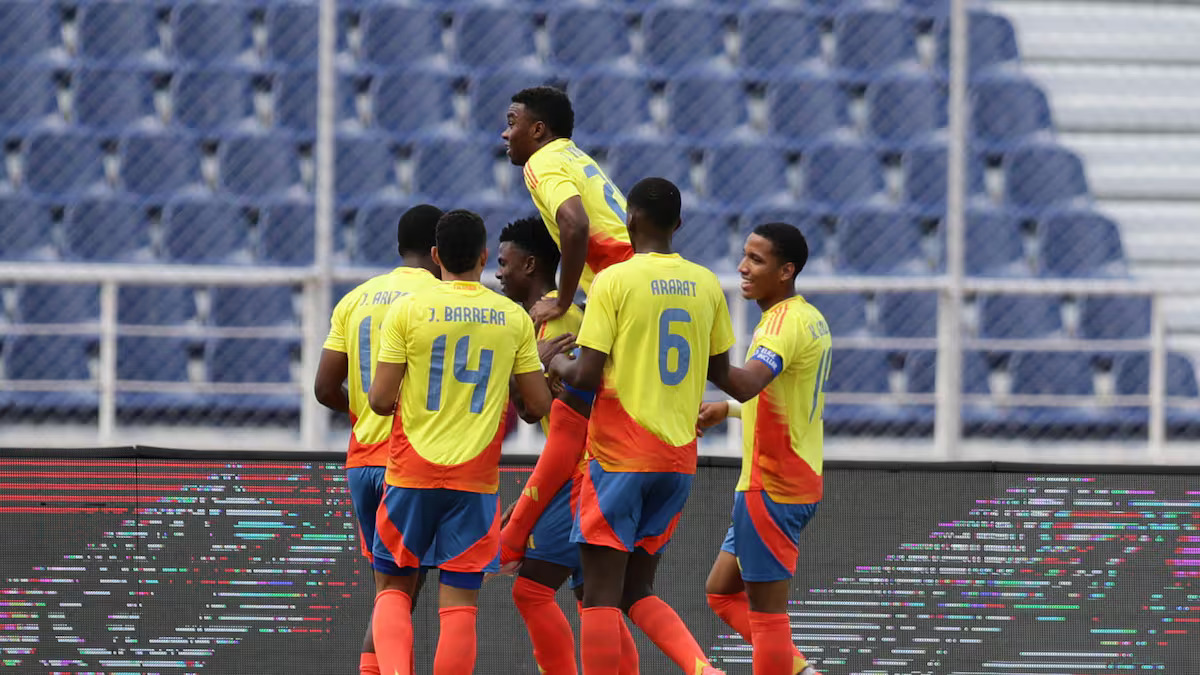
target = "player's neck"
x: 775, y: 298
x: 651, y: 245
x: 419, y: 263
x: 536, y: 292
x: 472, y: 276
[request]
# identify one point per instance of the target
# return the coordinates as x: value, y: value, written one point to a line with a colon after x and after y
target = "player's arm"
x: 329, y: 386
x: 392, y: 362
x: 742, y: 383
x: 585, y: 372
x: 385, y: 387
x: 534, y: 393
x: 573, y: 228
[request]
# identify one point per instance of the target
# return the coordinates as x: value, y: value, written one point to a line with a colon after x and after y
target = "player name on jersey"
x: 484, y: 315
x: 673, y: 287
x: 382, y: 297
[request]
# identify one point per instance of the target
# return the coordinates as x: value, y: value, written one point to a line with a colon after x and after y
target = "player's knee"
x: 528, y: 593
x: 632, y: 595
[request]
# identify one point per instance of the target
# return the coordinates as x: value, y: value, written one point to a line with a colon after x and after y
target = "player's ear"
x: 530, y: 265
x: 483, y: 258
x: 437, y: 259
x: 787, y: 271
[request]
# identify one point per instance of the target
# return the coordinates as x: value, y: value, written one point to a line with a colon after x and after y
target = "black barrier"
x: 138, y: 560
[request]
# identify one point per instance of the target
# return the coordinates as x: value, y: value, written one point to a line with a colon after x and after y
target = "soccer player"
x: 351, y: 346
x: 447, y: 356
x: 652, y: 326
x: 582, y: 209
x: 539, y: 529
x: 780, y: 484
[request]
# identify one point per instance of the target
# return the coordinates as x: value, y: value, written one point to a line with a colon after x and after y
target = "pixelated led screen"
x: 177, y: 566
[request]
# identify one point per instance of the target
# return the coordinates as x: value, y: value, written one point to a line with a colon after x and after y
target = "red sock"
x: 772, y: 643
x: 368, y: 664
x: 629, y: 652
x: 600, y: 640
x: 734, y: 609
x: 664, y: 627
x: 392, y: 631
x: 456, y: 641
x: 553, y: 643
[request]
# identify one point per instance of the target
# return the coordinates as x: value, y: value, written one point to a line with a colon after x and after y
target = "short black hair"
x: 531, y: 234
x: 416, y: 229
x: 787, y: 242
x: 551, y: 106
x: 461, y: 239
x: 659, y: 199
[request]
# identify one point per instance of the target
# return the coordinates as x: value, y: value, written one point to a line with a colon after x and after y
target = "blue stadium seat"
x: 67, y: 163
x: 811, y: 224
x: 51, y: 357
x: 994, y: 244
x: 677, y: 36
x: 631, y: 160
x: 908, y: 314
x: 488, y: 35
x: 845, y: 313
x: 703, y: 237
x: 1132, y: 374
x: 414, y: 100
x: 118, y: 32
x: 375, y: 233
x: 26, y: 229
x: 296, y: 99
x: 872, y: 39
x: 1006, y: 109
x: 1114, y: 317
x: 449, y: 168
x: 213, y: 99
x: 252, y: 306
x: 875, y: 240
x: 30, y: 30
x: 1080, y: 243
x: 155, y: 305
x: 924, y: 166
x: 400, y: 36
x: 490, y: 93
x: 991, y: 40
x: 860, y: 371
x: 364, y: 165
x: 287, y: 233
x: 116, y: 230
x: 27, y: 96
x: 920, y: 367
x: 251, y: 361
x: 587, y: 36
x: 158, y: 360
x: 805, y: 106
x: 58, y: 303
x: 706, y: 104
x: 1041, y: 175
x: 205, y: 230
x: 778, y: 39
x: 211, y: 32
x: 292, y: 33
x: 1058, y: 374
x: 740, y: 174
x: 113, y: 98
x: 1019, y: 317
x: 259, y: 165
x: 609, y: 102
x: 903, y: 107
x: 156, y: 165
x: 841, y: 172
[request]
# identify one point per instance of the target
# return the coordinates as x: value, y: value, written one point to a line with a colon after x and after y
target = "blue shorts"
x: 765, y: 535
x: 366, y: 493
x: 550, y: 539
x: 458, y: 532
x: 627, y: 510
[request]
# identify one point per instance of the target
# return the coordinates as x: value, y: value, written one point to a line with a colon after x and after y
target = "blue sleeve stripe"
x: 769, y: 359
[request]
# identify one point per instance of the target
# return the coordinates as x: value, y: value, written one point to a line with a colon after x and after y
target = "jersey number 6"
x: 668, y: 342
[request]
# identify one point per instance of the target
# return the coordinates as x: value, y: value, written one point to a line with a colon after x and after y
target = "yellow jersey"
x: 659, y: 318
x: 461, y: 343
x: 783, y: 434
x: 354, y: 331
x: 567, y: 323
x: 558, y: 171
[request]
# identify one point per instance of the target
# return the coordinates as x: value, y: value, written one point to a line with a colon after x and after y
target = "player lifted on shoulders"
x: 780, y: 485
x: 582, y: 209
x: 447, y: 356
x: 351, y: 347
x: 652, y: 326
x: 543, y: 516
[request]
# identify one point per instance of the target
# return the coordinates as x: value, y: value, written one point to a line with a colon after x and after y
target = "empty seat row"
x: 247, y: 306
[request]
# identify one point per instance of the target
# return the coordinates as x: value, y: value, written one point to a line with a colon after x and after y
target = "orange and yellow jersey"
x: 783, y: 434
x: 567, y: 323
x: 461, y: 343
x: 558, y: 171
x: 354, y: 331
x: 659, y: 318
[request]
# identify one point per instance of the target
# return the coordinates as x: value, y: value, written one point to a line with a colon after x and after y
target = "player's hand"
x: 548, y: 349
x: 711, y: 414
x: 546, y: 309
x: 559, y: 364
